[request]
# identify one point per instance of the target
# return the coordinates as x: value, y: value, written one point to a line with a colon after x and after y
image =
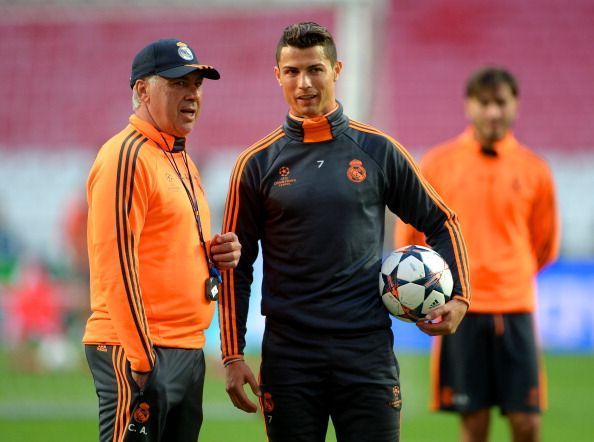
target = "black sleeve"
x: 243, y: 215
x: 410, y: 196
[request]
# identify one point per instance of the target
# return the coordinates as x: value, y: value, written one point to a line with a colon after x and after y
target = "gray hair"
x: 135, y: 97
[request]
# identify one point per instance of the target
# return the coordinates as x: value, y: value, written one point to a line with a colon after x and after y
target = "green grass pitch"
x: 61, y: 407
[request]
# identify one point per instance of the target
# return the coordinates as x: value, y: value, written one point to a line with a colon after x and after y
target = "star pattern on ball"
x: 414, y: 280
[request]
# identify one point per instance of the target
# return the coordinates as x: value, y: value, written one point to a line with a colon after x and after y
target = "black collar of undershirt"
x: 337, y: 122
x: 179, y: 145
x: 489, y: 151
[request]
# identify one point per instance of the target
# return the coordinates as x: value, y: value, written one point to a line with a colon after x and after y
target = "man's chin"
x: 309, y: 112
x: 184, y: 130
x: 491, y: 137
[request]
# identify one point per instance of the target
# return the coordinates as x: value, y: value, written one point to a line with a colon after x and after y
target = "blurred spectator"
x: 8, y: 252
x: 32, y: 307
x: 74, y: 286
x: 33, y: 326
x: 75, y: 233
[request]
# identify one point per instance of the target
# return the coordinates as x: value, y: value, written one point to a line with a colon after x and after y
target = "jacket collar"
x: 501, y: 147
x: 318, y: 129
x: 167, y: 142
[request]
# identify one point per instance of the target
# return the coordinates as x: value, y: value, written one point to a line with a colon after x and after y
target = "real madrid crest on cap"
x: 184, y: 51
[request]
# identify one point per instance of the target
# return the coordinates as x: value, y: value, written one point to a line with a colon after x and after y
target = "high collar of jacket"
x: 500, y: 147
x: 168, y: 143
x: 315, y: 130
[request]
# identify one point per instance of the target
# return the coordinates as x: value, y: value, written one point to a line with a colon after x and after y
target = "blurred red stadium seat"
x: 432, y: 47
x: 63, y: 81
x: 64, y: 76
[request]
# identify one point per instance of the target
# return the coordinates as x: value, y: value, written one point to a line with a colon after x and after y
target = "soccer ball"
x: 413, y: 280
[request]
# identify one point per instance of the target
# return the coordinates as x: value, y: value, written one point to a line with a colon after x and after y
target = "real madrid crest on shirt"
x: 142, y: 413
x: 356, y: 172
x: 184, y: 51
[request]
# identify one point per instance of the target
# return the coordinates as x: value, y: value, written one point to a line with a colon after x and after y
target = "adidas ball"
x: 414, y: 280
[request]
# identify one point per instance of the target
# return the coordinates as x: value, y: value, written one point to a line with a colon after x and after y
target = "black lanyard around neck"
x: 191, y: 193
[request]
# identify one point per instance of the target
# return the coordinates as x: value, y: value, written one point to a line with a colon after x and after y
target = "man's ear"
x: 142, y: 90
x: 277, y: 75
x: 337, y: 69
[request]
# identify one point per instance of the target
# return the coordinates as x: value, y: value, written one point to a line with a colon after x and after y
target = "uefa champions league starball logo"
x: 413, y: 280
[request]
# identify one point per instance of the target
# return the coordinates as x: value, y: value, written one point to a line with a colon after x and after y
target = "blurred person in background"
x: 153, y: 268
x: 75, y: 235
x: 34, y: 308
x: 314, y: 193
x: 9, y: 251
x: 504, y: 195
x: 76, y: 284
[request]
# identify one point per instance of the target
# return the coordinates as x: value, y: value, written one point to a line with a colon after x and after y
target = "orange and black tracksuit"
x: 147, y: 276
x: 507, y: 210
x: 505, y: 200
x: 314, y: 193
x: 146, y: 263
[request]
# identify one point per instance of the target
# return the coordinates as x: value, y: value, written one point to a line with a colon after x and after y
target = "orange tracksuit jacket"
x: 508, y: 215
x: 147, y: 267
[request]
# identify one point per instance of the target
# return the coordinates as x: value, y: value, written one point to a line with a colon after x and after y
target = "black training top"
x: 314, y: 193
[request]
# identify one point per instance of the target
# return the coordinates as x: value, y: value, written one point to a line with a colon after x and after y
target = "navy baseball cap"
x: 169, y: 58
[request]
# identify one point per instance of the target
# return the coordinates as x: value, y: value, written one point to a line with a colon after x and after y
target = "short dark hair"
x: 306, y: 35
x: 490, y: 78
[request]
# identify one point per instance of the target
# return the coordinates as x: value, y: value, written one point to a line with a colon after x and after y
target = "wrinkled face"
x: 492, y: 113
x: 308, y: 79
x: 173, y: 104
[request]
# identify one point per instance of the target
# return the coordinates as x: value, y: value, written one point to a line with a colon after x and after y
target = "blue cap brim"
x: 179, y: 71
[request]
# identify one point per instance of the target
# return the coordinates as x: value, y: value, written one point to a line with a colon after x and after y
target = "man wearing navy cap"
x: 154, y: 269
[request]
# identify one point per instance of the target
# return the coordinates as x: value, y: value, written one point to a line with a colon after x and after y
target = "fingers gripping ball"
x: 414, y: 280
